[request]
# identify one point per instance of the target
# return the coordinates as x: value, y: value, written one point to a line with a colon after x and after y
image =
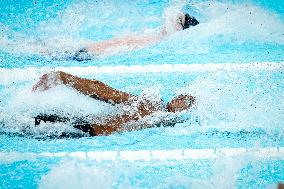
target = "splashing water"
x: 236, y: 107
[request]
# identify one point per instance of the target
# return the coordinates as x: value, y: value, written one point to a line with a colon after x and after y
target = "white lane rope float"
x: 10, y: 75
x: 149, y: 155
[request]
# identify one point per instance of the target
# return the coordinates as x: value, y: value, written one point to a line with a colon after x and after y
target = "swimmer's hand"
x: 47, y: 81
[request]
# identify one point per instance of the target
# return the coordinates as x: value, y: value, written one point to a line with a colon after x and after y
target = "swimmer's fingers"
x: 41, y: 84
x: 47, y: 81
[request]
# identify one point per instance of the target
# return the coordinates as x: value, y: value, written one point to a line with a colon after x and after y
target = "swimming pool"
x: 232, y: 62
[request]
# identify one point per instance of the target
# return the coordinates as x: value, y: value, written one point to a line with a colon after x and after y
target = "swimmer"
x: 129, y: 43
x: 140, y: 107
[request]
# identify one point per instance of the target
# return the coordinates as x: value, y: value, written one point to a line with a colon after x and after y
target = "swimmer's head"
x: 185, y: 21
x: 180, y: 103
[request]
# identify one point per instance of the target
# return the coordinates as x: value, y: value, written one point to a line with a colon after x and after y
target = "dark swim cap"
x: 189, y: 21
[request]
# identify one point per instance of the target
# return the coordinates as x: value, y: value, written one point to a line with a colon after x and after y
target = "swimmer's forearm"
x: 119, y: 124
x: 94, y: 88
x: 113, y: 125
x: 132, y: 42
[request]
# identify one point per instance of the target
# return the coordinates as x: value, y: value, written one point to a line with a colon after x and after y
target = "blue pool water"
x: 232, y: 62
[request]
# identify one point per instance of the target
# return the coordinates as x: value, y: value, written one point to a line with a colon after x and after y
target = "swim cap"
x: 189, y: 21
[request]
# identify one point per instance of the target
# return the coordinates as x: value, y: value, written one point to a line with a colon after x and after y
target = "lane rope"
x: 148, y: 155
x: 8, y: 76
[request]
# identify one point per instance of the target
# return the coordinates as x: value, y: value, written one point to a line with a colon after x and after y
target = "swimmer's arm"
x: 118, y: 124
x: 95, y: 89
x: 92, y: 88
x: 133, y: 42
x: 113, y: 125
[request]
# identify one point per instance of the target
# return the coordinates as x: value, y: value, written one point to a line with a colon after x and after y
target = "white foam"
x: 73, y: 174
x: 8, y: 76
x: 245, y: 21
x: 148, y: 155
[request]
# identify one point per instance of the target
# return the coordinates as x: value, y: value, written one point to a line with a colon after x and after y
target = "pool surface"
x: 232, y: 62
